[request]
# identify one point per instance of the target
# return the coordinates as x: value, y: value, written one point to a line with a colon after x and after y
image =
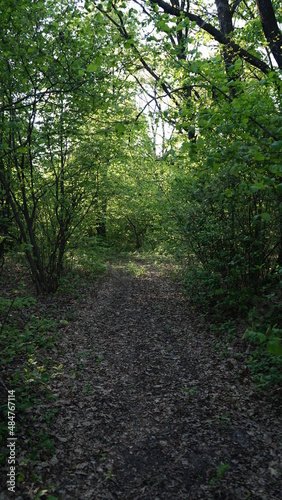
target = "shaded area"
x: 160, y: 414
x: 148, y: 409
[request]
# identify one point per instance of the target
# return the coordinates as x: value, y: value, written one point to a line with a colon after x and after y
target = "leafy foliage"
x: 157, y: 129
x: 25, y: 342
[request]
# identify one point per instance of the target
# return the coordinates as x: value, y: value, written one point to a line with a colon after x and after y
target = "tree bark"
x: 224, y: 15
x: 271, y: 30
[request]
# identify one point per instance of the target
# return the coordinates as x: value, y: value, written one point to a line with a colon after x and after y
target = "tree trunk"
x: 270, y: 28
x: 224, y: 16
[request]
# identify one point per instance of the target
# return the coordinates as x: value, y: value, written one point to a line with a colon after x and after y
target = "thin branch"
x: 235, y: 4
x: 215, y: 33
x: 122, y: 30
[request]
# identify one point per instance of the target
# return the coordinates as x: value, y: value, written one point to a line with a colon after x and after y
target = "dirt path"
x: 148, y: 410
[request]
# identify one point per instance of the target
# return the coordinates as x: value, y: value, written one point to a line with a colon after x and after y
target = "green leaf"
x: 261, y: 336
x: 228, y: 193
x: 275, y: 169
x: 27, y: 247
x: 254, y: 188
x: 259, y: 156
x: 274, y: 347
x: 200, y: 142
x: 92, y: 67
x: 277, y: 145
x: 120, y: 127
x: 185, y: 147
x: 279, y: 189
x: 194, y: 67
x: 266, y: 217
x: 128, y: 43
x: 164, y: 27
x: 238, y: 64
x: 45, y: 377
x: 180, y: 26
x: 210, y: 162
x: 95, y: 65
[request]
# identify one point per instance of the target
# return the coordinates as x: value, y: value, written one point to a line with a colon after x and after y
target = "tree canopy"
x: 146, y: 123
x: 131, y: 127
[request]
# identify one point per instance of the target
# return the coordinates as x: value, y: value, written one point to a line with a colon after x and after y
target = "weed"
x: 109, y: 475
x: 86, y: 389
x: 20, y: 477
x: 271, y: 338
x: 190, y: 391
x: 136, y: 269
x: 214, y: 294
x: 227, y: 328
x: 70, y: 315
x: 224, y: 421
x: 265, y: 362
x: 49, y: 416
x: 221, y: 470
x: 25, y: 339
x: 221, y: 348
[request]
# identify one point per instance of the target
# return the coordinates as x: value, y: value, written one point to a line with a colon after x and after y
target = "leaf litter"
x: 147, y: 409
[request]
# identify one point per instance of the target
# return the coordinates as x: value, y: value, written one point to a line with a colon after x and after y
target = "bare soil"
x: 148, y: 407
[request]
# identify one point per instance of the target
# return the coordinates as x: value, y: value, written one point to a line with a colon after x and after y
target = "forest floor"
x: 149, y: 406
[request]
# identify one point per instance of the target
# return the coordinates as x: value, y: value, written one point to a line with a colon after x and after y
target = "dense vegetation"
x: 146, y: 125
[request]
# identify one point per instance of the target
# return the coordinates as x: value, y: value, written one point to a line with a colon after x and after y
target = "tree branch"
x: 215, y: 33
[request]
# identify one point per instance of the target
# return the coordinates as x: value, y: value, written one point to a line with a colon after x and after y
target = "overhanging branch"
x: 215, y: 33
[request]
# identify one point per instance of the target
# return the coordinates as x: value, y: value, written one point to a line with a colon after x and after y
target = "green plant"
x: 99, y: 359
x: 221, y: 470
x: 221, y: 348
x: 265, y: 362
x: 86, y: 389
x: 190, y: 390
x: 110, y: 475
x: 227, y: 328
x: 266, y: 369
x: 41, y: 443
x: 224, y: 421
x: 49, y: 416
x: 271, y: 339
x: 26, y: 338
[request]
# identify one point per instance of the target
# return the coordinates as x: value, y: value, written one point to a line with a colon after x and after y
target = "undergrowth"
x: 28, y: 340
x: 223, y: 301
